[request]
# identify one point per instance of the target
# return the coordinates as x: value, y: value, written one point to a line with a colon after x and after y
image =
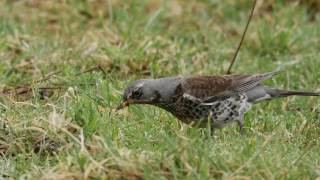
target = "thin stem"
x: 244, y: 33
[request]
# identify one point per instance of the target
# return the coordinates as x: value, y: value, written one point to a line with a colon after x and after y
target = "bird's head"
x: 140, y: 92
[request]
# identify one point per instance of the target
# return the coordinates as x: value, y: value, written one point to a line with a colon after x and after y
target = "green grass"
x: 74, y: 132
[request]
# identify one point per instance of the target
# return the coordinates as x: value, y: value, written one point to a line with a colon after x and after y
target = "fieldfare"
x: 197, y: 99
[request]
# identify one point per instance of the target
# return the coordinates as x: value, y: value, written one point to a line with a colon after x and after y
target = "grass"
x: 73, y: 131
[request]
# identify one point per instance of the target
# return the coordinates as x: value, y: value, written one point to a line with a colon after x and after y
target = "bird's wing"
x: 206, y: 86
x: 209, y: 88
x: 243, y: 83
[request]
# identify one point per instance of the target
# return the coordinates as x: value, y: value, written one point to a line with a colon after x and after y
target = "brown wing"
x: 210, y: 86
x: 243, y: 83
x: 206, y: 86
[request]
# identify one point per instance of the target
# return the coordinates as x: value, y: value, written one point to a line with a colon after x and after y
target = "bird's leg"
x: 212, y: 130
x: 211, y: 123
x: 241, y: 124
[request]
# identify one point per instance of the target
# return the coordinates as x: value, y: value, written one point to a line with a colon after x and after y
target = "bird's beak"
x: 129, y: 101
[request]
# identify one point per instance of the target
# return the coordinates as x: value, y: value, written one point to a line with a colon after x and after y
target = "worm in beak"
x: 123, y: 105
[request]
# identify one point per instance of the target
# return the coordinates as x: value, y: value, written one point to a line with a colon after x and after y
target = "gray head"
x: 149, y: 91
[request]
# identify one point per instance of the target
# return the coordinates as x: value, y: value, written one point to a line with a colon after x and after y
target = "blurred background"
x: 152, y: 37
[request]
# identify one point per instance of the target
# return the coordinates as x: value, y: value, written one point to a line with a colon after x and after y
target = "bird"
x: 202, y: 100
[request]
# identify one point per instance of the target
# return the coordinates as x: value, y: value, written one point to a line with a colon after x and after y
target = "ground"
x: 64, y: 65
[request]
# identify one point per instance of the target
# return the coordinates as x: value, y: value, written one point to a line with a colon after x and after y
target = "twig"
x: 102, y: 70
x: 244, y: 33
x: 47, y: 77
x: 25, y: 88
x: 98, y: 67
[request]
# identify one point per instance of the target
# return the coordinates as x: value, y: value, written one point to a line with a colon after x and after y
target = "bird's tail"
x: 278, y: 93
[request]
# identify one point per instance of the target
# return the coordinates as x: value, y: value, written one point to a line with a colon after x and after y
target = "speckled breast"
x: 221, y: 111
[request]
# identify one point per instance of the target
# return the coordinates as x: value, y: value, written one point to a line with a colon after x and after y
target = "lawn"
x: 64, y: 65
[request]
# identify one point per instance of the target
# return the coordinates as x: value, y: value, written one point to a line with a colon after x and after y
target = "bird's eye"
x: 137, y: 93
